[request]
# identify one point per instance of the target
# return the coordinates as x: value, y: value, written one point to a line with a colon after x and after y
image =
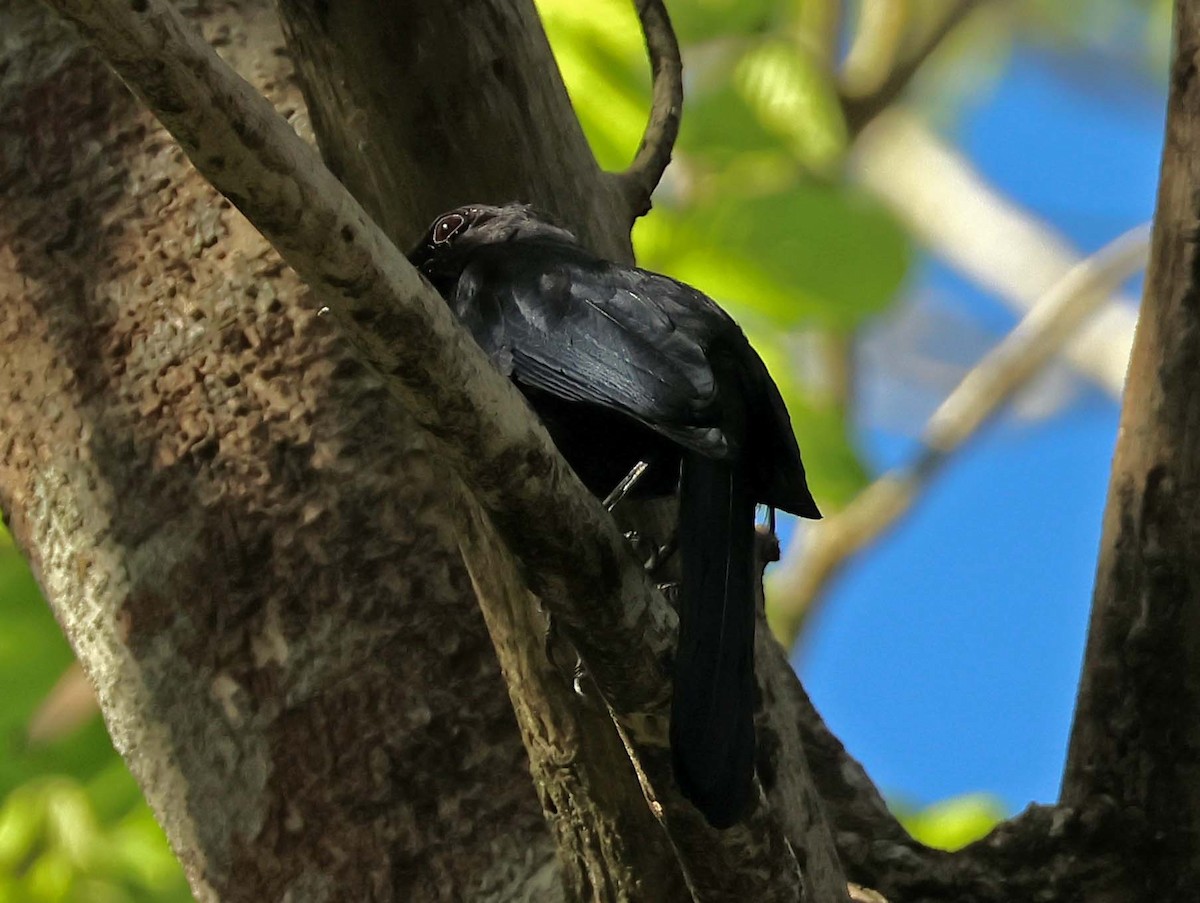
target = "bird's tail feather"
x: 712, y: 710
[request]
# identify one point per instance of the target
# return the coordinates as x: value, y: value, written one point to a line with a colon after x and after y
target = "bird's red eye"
x: 447, y: 227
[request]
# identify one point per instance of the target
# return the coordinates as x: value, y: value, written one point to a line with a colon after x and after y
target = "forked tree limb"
x: 950, y: 208
x: 859, y: 110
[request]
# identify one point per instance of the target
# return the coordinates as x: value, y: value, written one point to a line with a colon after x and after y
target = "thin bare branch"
x: 973, y: 227
x: 878, y: 38
x: 861, y: 109
x: 654, y: 153
x: 69, y: 705
x: 819, y: 553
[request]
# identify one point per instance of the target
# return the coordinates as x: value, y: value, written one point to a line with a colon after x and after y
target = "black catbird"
x: 626, y: 366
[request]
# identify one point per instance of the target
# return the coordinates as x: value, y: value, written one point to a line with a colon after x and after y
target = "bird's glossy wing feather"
x: 598, y: 334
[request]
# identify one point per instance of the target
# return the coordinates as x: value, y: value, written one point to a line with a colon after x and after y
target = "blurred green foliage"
x: 73, y: 825
x: 951, y: 824
x: 754, y: 210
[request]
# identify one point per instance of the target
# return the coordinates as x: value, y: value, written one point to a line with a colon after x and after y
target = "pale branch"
x: 259, y: 581
x: 861, y: 109
x: 567, y: 548
x: 880, y: 29
x: 1008, y: 250
x: 69, y: 704
x: 642, y: 176
x: 821, y: 552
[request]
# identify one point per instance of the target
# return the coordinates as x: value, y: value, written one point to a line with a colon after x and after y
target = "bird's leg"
x: 670, y: 591
x: 663, y: 554
x: 552, y: 639
x: 554, y: 643
x: 651, y: 554
x: 645, y: 549
x: 651, y: 561
x: 626, y: 485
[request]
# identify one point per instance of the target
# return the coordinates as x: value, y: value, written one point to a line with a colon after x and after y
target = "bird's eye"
x: 447, y: 227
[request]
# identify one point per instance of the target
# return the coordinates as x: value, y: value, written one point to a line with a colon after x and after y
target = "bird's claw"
x: 646, y: 550
x: 579, y: 682
x: 552, y: 644
x: 650, y: 553
x: 670, y: 591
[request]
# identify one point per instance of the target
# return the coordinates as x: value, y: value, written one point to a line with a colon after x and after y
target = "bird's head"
x: 447, y: 245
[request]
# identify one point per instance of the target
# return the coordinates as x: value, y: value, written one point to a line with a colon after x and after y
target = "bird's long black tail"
x: 712, y: 710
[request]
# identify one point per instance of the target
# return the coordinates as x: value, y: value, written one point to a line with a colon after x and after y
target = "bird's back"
x: 592, y: 332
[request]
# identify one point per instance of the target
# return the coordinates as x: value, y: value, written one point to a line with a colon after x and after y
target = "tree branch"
x: 654, y: 153
x: 260, y: 581
x: 947, y: 205
x: 880, y: 29
x: 821, y: 552
x: 861, y: 109
x: 349, y: 55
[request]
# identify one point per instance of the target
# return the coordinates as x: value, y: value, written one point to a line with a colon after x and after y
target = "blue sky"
x: 948, y: 656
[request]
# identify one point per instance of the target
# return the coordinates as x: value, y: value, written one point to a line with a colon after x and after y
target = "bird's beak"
x: 420, y: 256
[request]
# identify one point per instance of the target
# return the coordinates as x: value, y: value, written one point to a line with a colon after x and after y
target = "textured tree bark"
x: 1134, y: 759
x: 491, y: 122
x: 609, y: 843
x: 265, y: 589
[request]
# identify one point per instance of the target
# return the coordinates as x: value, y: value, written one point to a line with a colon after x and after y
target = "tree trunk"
x: 1134, y: 759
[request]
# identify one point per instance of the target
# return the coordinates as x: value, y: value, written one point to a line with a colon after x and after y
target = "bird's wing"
x: 595, y: 333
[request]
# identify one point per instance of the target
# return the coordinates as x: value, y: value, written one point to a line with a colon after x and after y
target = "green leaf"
x: 952, y: 824
x: 598, y: 47
x: 71, y: 822
x: 793, y: 96
x: 818, y: 255
x: 706, y: 20
x: 835, y: 472
x: 719, y: 124
x: 22, y: 821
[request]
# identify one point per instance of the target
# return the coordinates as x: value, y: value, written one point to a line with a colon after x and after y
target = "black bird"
x: 624, y: 365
